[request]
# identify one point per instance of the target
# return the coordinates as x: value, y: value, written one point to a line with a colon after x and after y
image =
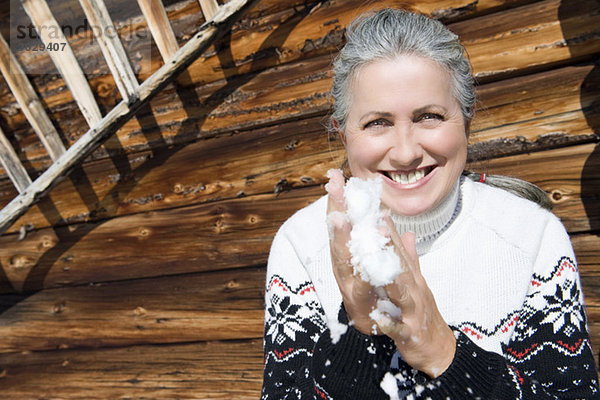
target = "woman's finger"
x: 335, y: 191
x: 405, y: 246
x: 390, y: 327
x: 339, y: 228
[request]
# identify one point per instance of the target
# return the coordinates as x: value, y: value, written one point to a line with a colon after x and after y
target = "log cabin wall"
x: 141, y: 275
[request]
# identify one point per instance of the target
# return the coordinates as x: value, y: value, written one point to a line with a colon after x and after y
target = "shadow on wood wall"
x: 590, y: 105
x: 161, y: 151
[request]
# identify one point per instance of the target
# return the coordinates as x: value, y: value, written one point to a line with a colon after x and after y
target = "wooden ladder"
x: 219, y: 21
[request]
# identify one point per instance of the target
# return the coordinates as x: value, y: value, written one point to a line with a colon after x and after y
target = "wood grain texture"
x: 159, y: 25
x: 212, y: 370
x: 222, y: 235
x: 112, y: 48
x: 222, y: 305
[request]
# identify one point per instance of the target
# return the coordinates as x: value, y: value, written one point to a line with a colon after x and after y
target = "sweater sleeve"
x: 353, y: 365
x: 293, y: 323
x: 549, y: 354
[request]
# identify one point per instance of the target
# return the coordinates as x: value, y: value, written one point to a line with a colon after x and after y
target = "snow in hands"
x: 371, y: 256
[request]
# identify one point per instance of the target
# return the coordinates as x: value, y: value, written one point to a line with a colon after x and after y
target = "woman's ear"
x: 336, y: 127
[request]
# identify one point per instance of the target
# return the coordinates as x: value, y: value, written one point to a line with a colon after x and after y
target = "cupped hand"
x: 359, y: 296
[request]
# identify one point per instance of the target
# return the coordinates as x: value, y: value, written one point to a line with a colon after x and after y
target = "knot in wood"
x: 59, y: 307
x: 47, y: 242
x: 140, y: 311
x: 20, y: 261
x: 178, y: 188
x: 232, y: 284
x: 556, y: 196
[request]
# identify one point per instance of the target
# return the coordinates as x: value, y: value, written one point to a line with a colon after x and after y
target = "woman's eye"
x: 376, y: 123
x: 430, y: 117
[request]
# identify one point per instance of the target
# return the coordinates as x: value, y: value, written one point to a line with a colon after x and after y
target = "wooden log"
x: 212, y: 370
x: 209, y: 8
x: 588, y: 256
x: 29, y: 101
x: 112, y: 48
x: 12, y: 165
x: 594, y: 329
x: 498, y: 43
x: 304, y: 145
x: 532, y: 40
x: 222, y: 235
x: 222, y: 305
x: 159, y: 25
x: 115, y: 119
x: 534, y: 112
x: 64, y: 58
x: 225, y: 305
x: 570, y: 175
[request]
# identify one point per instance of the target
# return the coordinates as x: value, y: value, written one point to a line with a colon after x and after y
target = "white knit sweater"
x: 503, y: 274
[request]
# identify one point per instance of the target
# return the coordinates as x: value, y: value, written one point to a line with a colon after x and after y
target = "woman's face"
x: 405, y: 125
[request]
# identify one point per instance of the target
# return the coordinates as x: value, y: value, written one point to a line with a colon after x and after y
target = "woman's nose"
x: 405, y: 151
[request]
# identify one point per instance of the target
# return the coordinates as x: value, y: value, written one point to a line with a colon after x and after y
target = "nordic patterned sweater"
x: 503, y: 274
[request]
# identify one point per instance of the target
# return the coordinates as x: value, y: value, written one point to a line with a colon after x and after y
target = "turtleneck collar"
x: 431, y: 224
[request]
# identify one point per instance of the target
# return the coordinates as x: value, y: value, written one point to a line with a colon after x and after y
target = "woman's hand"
x: 421, y: 335
x: 358, y: 296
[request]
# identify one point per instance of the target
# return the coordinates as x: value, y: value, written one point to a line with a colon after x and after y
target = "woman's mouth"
x: 408, y: 177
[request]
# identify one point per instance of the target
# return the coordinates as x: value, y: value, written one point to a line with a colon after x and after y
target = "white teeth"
x: 411, y: 177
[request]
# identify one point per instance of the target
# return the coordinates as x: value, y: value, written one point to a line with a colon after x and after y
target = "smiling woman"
x: 482, y: 308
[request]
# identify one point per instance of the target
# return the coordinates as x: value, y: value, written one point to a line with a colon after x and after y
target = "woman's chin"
x: 409, y: 210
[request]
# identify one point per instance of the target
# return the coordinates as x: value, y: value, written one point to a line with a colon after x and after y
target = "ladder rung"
x: 160, y: 27
x: 209, y: 8
x: 29, y: 101
x: 11, y: 163
x: 64, y: 59
x: 112, y: 48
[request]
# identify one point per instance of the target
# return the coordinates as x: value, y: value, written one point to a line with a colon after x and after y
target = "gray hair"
x: 389, y: 33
